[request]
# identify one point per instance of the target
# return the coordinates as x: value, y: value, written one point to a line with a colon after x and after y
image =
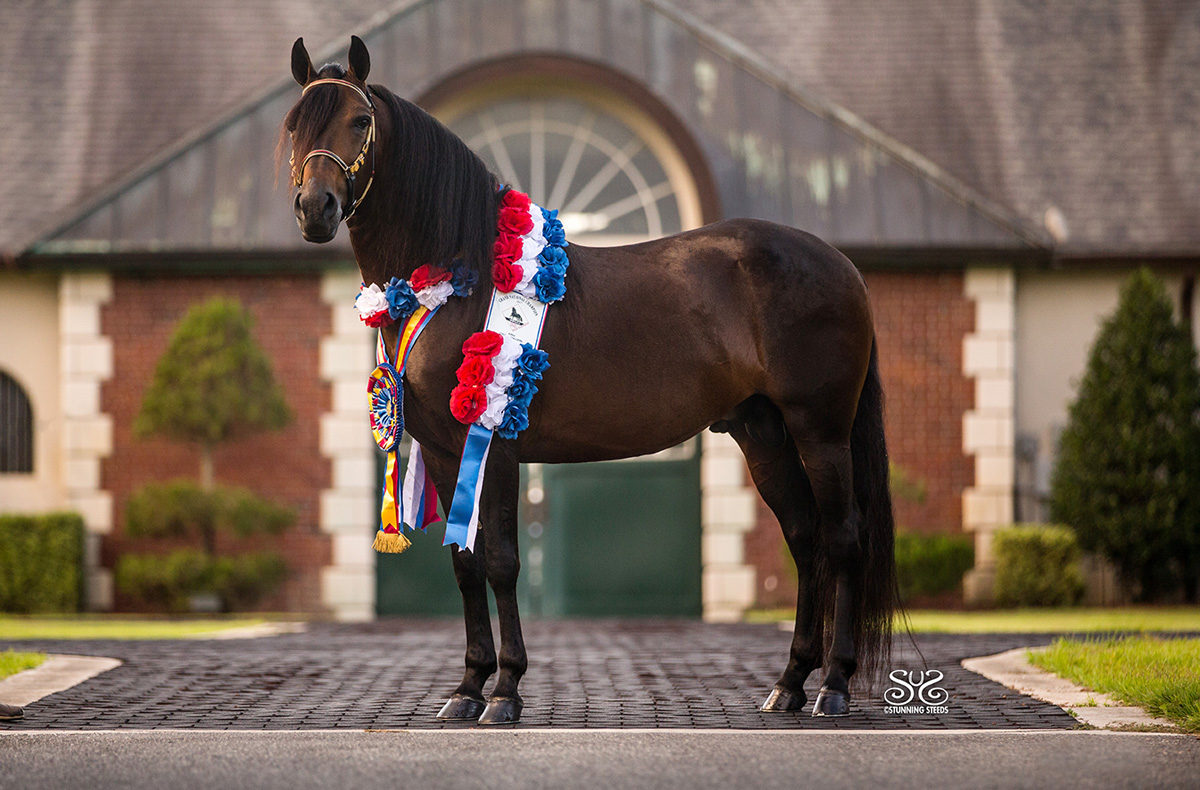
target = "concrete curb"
x: 1011, y: 668
x: 254, y: 631
x: 56, y: 673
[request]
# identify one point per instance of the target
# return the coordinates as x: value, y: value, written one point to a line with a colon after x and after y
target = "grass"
x: 1029, y: 621
x: 1160, y: 675
x: 12, y: 662
x: 109, y: 627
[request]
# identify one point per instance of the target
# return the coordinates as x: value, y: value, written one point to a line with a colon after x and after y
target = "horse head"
x: 333, y: 135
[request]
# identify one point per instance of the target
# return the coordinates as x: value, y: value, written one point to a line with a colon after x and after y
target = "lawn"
x: 1160, y: 675
x: 12, y: 662
x: 109, y: 627
x: 1030, y: 621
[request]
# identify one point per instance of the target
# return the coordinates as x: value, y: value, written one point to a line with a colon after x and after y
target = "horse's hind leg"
x: 830, y: 473
x: 758, y: 427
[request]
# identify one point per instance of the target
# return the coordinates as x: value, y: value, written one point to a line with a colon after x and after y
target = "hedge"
x: 41, y: 563
x: 1037, y: 565
x: 931, y: 564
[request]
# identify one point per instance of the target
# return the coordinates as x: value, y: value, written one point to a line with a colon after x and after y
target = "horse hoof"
x: 831, y: 702
x: 461, y: 708
x: 502, y: 710
x: 781, y: 700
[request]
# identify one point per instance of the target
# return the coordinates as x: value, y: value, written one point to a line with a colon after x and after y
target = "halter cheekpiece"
x: 351, y: 170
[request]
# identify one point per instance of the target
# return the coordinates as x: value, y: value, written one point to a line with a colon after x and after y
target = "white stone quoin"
x: 989, y: 429
x: 728, y: 510
x: 87, y: 361
x: 347, y: 507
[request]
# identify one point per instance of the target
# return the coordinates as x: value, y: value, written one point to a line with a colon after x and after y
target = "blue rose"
x: 402, y: 302
x: 515, y: 420
x: 549, y: 285
x: 533, y: 362
x: 463, y: 278
x: 554, y: 258
x: 552, y: 228
x: 521, y: 391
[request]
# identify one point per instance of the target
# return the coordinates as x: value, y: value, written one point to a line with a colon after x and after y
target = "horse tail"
x: 876, y: 598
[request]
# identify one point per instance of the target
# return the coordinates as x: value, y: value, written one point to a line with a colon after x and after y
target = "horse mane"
x: 441, y: 199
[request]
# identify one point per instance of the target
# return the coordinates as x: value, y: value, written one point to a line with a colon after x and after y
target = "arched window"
x: 16, y: 427
x: 614, y: 174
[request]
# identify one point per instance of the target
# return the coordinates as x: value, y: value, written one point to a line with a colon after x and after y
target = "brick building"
x: 953, y: 155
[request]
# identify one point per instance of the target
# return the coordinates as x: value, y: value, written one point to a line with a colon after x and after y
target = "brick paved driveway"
x: 397, y: 674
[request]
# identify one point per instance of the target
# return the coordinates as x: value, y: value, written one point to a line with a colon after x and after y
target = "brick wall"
x: 921, y: 319
x: 286, y: 466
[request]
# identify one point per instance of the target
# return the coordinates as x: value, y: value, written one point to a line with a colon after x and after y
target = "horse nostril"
x: 330, y: 205
x: 297, y: 208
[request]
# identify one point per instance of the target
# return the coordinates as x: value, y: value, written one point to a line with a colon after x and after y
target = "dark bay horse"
x: 743, y: 326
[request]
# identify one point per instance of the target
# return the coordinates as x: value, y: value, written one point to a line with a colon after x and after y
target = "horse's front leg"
x: 503, y: 563
x: 467, y: 703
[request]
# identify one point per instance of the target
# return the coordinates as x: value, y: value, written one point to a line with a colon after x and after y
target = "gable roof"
x: 103, y: 136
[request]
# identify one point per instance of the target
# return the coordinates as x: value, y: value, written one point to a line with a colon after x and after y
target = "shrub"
x: 41, y: 563
x: 182, y: 509
x: 1127, y: 478
x: 931, y: 564
x: 170, y: 581
x: 1037, y: 565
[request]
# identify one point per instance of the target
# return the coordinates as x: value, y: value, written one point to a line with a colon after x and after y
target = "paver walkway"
x: 582, y: 674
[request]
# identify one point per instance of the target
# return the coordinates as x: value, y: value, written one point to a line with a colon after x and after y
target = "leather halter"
x: 348, y: 170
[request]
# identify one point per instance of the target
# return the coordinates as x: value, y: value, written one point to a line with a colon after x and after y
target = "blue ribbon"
x: 466, y: 492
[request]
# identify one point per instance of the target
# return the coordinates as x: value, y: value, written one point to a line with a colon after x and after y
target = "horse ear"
x: 360, y: 61
x: 302, y: 67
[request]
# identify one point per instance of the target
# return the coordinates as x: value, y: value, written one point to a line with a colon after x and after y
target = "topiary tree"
x: 1127, y: 478
x: 213, y: 384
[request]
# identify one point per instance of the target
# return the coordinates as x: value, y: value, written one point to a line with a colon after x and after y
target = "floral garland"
x: 496, y: 378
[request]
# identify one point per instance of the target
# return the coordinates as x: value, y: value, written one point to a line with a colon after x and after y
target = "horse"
x: 744, y: 326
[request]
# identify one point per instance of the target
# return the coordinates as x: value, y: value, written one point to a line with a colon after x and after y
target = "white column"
x: 728, y: 510
x: 87, y: 361
x: 989, y: 429
x: 347, y: 507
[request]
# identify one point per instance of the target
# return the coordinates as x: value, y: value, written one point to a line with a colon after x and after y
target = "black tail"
x: 875, y: 603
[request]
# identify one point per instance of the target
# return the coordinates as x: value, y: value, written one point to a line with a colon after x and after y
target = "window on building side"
x: 16, y: 427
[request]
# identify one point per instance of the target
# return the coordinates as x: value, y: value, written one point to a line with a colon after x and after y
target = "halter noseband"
x: 349, y: 171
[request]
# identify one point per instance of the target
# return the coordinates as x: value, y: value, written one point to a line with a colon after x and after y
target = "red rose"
x: 508, y: 248
x: 426, y: 275
x: 382, y: 318
x: 467, y: 403
x: 476, y: 371
x: 514, y: 220
x: 484, y: 344
x: 515, y: 199
x: 505, y: 276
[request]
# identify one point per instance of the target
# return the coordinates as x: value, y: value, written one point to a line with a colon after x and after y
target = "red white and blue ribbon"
x: 501, y: 363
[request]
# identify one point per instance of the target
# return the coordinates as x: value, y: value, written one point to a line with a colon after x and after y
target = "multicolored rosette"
x: 529, y: 256
x: 387, y: 407
x: 495, y: 383
x: 428, y: 287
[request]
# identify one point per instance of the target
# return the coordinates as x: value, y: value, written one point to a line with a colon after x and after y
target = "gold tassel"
x: 391, y: 542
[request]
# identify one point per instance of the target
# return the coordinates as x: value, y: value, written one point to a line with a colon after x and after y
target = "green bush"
x: 182, y: 509
x: 1037, y: 565
x: 170, y: 581
x: 931, y: 564
x: 41, y: 563
x: 1127, y: 479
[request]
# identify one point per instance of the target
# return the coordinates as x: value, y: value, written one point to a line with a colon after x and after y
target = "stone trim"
x: 989, y: 429
x: 728, y: 510
x: 87, y: 362
x: 346, y: 508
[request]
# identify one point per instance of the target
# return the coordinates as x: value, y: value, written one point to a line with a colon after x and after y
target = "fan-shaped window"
x: 614, y: 176
x: 16, y: 427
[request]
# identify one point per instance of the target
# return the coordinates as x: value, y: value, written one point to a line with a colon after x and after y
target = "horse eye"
x: 362, y: 122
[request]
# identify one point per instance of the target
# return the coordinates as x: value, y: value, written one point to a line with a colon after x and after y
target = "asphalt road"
x: 612, y: 760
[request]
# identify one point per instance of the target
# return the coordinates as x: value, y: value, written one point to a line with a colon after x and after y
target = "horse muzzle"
x: 318, y: 213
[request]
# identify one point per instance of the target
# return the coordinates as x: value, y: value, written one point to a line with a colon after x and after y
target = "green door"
x: 614, y: 539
